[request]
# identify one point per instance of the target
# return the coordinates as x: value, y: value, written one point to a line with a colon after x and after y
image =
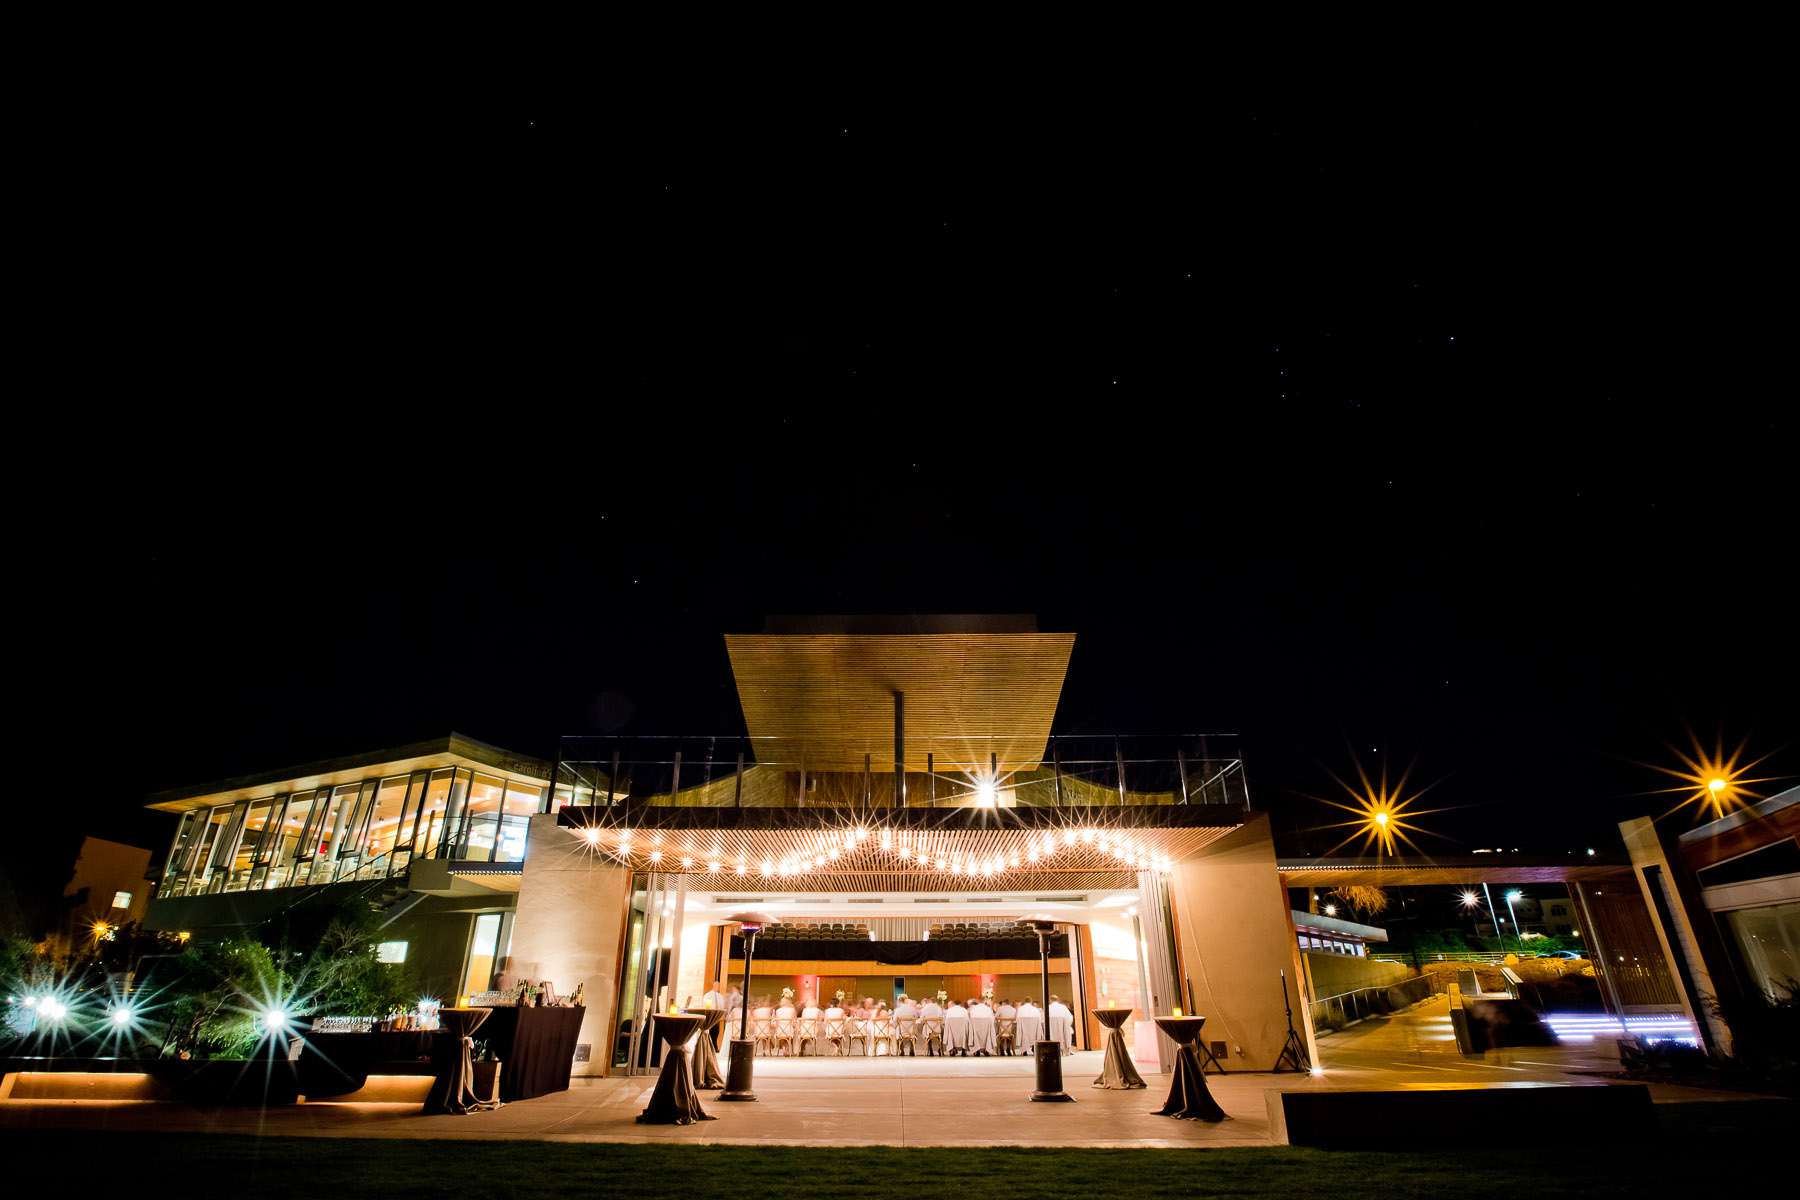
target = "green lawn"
x: 1700, y: 1149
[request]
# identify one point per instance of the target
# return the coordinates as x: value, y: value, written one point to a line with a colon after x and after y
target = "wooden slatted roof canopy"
x: 974, y: 686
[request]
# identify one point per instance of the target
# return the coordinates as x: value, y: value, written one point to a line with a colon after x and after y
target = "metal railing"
x: 1069, y: 771
x: 1347, y: 1008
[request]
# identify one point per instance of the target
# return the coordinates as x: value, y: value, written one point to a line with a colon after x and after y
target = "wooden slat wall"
x: 966, y: 694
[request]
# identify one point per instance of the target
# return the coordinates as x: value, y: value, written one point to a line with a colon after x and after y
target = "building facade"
x: 1724, y: 900
x: 431, y: 836
x: 897, y: 806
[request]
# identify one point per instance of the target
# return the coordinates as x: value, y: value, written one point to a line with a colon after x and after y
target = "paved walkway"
x: 902, y: 1102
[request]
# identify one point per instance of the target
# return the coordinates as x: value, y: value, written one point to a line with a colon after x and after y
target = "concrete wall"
x: 1645, y: 846
x: 1235, y: 936
x: 1332, y: 974
x: 568, y: 928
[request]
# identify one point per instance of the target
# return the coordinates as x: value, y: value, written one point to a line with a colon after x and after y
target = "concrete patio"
x: 901, y: 1101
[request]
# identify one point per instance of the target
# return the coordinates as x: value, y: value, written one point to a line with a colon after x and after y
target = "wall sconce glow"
x: 591, y: 836
x: 1331, y: 910
x: 985, y: 795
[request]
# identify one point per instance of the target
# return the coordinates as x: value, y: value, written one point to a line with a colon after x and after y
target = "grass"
x: 1699, y: 1149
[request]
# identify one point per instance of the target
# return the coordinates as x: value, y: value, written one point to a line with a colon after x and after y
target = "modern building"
x: 431, y: 835
x: 897, y: 806
x: 1724, y: 899
x: 108, y: 888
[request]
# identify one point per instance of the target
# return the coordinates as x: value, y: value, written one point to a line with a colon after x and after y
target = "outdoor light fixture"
x: 122, y: 1016
x: 591, y: 836
x: 1331, y: 910
x: 1470, y: 900
x: 1713, y: 781
x: 1048, y: 1050
x: 985, y: 795
x: 739, y: 1074
x: 274, y: 1020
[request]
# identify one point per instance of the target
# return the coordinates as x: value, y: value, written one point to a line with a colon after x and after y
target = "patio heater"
x: 1048, y: 1050
x: 740, y: 1071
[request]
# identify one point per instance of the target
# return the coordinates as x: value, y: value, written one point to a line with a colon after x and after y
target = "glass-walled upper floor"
x: 371, y: 829
x: 975, y: 772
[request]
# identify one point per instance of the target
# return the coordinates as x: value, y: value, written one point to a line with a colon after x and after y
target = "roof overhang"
x: 830, y: 696
x: 1465, y: 869
x: 452, y: 750
x: 1091, y: 848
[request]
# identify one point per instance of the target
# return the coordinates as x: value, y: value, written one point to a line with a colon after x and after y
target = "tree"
x: 1363, y: 898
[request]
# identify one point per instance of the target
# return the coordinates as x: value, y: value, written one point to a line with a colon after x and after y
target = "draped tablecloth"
x: 451, y: 1087
x: 1117, y: 1071
x: 1188, y: 1095
x: 706, y: 1059
x: 674, y: 1101
x: 535, y: 1046
x: 333, y: 1064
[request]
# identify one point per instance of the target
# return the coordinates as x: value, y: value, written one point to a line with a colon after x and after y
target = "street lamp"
x: 1049, y: 1051
x: 739, y: 1073
x: 1512, y: 895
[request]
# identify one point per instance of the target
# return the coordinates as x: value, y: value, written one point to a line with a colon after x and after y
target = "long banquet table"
x: 535, y: 1046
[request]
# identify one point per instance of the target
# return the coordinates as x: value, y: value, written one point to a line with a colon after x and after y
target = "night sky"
x: 1450, y: 435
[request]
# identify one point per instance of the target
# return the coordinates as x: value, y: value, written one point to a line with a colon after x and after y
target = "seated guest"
x: 931, y: 1021
x: 1005, y: 1028
x: 833, y: 1027
x: 956, y: 1029
x: 808, y: 1030
x: 981, y: 1028
x: 1030, y: 1026
x: 906, y: 1027
x: 1062, y: 1023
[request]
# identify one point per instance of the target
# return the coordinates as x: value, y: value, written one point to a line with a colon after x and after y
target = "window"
x: 121, y: 900
x: 391, y: 952
x: 1769, y: 940
x: 487, y: 946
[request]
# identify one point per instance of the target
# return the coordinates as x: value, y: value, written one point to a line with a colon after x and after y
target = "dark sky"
x: 1451, y: 433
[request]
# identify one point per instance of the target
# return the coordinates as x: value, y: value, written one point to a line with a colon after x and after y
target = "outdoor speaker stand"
x: 1293, y: 1050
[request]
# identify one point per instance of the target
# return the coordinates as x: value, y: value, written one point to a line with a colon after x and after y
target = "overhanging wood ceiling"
x: 968, y: 695
x: 875, y: 865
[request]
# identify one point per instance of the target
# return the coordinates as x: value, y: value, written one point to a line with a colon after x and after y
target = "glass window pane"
x: 200, y: 878
x: 430, y: 834
x: 384, y: 825
x: 1769, y: 939
x: 244, y: 857
x: 287, y: 847
x: 483, y: 951
x: 174, y: 870
x: 481, y: 825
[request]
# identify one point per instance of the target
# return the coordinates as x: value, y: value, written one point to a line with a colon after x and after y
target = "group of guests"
x: 936, y: 1025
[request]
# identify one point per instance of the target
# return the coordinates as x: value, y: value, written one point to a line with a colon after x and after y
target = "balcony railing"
x: 740, y: 772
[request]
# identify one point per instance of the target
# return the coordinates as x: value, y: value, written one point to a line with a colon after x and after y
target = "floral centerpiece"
x: 943, y: 997
x: 838, y: 996
x: 787, y: 995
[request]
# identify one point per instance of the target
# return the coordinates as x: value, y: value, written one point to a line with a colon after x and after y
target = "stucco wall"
x: 1235, y: 938
x: 1336, y: 973
x: 570, y: 916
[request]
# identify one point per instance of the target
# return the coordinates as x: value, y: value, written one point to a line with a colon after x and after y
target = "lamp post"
x: 742, y: 1068
x: 1518, y: 939
x: 1049, y: 1050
